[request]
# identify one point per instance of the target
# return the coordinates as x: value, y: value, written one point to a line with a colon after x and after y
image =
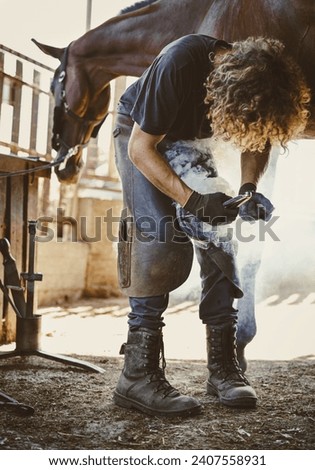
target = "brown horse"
x: 128, y: 43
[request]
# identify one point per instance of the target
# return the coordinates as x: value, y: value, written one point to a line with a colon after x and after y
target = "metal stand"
x: 28, y: 326
x: 10, y: 404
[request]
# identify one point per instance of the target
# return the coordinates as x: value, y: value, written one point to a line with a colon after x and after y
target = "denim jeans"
x: 157, y: 258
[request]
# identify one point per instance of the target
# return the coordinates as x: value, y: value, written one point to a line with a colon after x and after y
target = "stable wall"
x: 86, y: 265
x: 63, y: 265
x: 99, y: 223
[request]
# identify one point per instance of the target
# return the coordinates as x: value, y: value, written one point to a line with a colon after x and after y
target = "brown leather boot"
x: 226, y: 379
x: 142, y: 384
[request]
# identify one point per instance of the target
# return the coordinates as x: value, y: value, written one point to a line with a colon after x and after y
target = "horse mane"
x: 136, y: 6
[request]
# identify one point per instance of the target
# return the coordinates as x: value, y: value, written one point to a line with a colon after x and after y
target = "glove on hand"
x: 209, y: 208
x: 258, y: 206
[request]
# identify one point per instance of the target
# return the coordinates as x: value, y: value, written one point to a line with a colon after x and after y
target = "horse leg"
x: 249, y: 265
x: 246, y: 327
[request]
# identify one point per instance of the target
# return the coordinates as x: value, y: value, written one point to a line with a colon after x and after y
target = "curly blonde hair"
x: 257, y: 95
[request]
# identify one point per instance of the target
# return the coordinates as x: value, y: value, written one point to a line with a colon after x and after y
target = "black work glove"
x: 209, y: 208
x: 257, y: 207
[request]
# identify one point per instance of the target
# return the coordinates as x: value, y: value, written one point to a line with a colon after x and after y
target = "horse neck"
x: 127, y: 44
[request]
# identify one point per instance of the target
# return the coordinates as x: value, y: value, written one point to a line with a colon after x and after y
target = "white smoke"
x: 288, y: 260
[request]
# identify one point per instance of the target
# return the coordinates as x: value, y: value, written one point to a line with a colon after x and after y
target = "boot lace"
x: 233, y: 373
x: 227, y: 365
x: 156, y: 373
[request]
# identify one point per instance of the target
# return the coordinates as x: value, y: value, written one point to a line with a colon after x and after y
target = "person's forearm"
x: 145, y: 156
x: 153, y: 166
x: 253, y: 165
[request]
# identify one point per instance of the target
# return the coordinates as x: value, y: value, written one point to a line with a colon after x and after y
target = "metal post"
x: 28, y: 331
x: 31, y: 276
x: 88, y: 15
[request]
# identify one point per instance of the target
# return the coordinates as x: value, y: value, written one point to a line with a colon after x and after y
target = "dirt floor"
x: 74, y: 409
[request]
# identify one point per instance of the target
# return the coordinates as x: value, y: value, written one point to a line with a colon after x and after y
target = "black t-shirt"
x: 169, y: 97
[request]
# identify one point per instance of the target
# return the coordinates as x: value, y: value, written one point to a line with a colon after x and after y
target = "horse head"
x: 80, y: 110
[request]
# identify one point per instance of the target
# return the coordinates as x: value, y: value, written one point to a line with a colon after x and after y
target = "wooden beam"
x: 3, y: 191
x: 11, y: 163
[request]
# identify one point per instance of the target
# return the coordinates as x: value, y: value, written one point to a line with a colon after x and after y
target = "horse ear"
x: 55, y: 52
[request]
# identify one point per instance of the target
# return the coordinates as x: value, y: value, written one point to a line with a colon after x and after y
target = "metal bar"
x: 14, y: 146
x: 17, y: 94
x: 50, y: 125
x: 35, y: 107
x: 31, y: 275
x: 25, y: 57
x: 88, y: 15
x: 12, y: 404
x: 12, y: 78
x: 1, y: 76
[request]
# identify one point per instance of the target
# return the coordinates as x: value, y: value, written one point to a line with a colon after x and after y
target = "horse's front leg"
x: 250, y: 254
x: 246, y: 328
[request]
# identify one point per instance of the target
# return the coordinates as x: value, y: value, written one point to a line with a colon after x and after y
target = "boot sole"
x: 125, y: 402
x: 244, y: 402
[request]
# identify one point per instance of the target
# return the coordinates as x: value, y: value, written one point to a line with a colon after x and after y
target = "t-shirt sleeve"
x: 160, y: 95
